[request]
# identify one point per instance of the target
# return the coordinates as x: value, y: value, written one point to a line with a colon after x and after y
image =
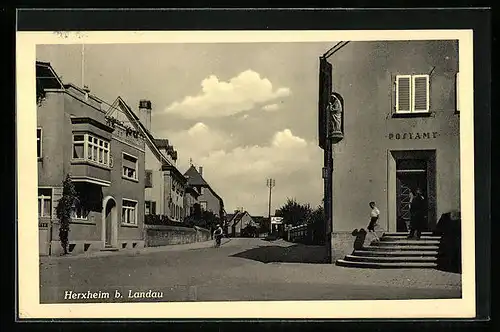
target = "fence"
x: 306, y: 234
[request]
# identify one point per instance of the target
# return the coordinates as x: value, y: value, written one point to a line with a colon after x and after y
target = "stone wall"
x: 156, y: 236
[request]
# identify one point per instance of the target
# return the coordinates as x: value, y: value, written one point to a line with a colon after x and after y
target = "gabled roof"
x: 195, y: 178
x: 237, y: 217
x: 135, y: 121
x: 150, y: 140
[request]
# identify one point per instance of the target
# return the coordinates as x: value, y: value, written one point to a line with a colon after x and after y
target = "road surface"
x: 240, y: 270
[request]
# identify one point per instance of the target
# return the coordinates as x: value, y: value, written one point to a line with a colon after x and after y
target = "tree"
x: 294, y: 213
x: 64, y: 209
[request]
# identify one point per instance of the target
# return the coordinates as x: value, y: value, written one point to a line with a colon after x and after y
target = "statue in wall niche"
x: 335, y: 110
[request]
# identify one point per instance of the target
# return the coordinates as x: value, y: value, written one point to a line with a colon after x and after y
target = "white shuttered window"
x: 412, y: 93
x: 420, y: 93
x: 403, y: 94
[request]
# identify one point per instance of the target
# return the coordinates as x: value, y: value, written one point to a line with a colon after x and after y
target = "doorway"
x: 109, y: 224
x: 407, y: 171
x: 410, y: 175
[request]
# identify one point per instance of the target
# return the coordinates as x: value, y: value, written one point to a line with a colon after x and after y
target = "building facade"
x: 401, y: 131
x: 208, y: 199
x: 105, y: 159
x: 165, y: 185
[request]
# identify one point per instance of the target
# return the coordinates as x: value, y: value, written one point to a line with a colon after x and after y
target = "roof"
x: 230, y: 216
x: 195, y: 178
x: 162, y: 143
x: 238, y: 216
x: 46, y: 77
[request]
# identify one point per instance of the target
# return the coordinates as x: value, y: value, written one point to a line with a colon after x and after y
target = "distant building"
x: 105, y: 158
x: 401, y: 124
x: 208, y: 199
x: 237, y: 223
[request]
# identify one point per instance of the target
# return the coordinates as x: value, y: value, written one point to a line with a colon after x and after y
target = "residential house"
x: 401, y: 131
x: 105, y: 158
x: 208, y: 199
x: 165, y: 185
x: 238, y: 222
x: 191, y: 201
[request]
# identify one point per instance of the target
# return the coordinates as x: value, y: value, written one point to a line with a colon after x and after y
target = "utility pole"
x: 270, y: 184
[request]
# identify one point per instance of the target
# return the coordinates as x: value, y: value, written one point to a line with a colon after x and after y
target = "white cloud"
x: 219, y: 98
x: 239, y: 174
x: 271, y: 107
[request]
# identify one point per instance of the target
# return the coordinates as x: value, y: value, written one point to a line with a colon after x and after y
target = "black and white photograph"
x: 238, y: 170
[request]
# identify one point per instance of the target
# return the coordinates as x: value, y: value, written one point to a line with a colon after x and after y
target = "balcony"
x: 88, y: 171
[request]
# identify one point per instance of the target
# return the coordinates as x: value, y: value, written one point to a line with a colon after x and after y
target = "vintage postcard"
x: 245, y: 174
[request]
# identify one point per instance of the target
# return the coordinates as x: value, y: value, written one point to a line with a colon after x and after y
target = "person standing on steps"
x: 417, y: 215
x: 374, y: 216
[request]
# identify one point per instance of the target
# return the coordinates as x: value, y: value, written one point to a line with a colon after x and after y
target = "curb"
x: 132, y: 252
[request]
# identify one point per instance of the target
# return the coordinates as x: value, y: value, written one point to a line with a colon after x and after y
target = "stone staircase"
x: 394, y: 250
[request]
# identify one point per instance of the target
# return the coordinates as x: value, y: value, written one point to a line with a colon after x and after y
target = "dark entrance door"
x: 110, y: 208
x: 410, y: 175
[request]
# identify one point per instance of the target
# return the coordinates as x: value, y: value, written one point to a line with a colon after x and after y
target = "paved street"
x: 242, y: 269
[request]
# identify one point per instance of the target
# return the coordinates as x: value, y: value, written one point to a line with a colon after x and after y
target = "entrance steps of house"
x: 394, y: 250
x: 109, y: 248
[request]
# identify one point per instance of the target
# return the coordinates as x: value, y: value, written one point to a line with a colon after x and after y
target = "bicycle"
x: 218, y: 240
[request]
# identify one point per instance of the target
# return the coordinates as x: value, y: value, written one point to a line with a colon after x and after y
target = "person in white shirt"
x: 374, y: 215
x: 218, y: 233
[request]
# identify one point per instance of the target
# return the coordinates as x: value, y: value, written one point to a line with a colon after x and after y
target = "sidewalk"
x: 134, y: 252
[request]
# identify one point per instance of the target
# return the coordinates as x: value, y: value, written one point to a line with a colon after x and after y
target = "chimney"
x: 200, y: 170
x: 86, y: 92
x: 145, y: 113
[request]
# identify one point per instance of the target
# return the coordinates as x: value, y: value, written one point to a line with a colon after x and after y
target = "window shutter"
x: 56, y: 196
x: 403, y: 91
x: 420, y: 93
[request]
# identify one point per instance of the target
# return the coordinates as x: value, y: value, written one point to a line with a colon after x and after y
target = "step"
x: 400, y: 259
x: 406, y: 253
x: 406, y: 233
x: 382, y: 247
x: 405, y: 243
x: 109, y: 249
x: 404, y: 237
x: 419, y: 265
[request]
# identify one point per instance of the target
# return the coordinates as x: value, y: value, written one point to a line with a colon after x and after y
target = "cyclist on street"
x: 218, y: 233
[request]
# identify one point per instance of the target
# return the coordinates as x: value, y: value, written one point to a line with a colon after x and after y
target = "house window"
x: 203, y: 206
x: 148, y: 182
x: 412, y: 94
x: 39, y: 142
x: 129, y: 212
x: 150, y: 207
x: 182, y: 214
x: 201, y: 190
x: 130, y: 166
x: 80, y: 212
x: 96, y: 149
x: 44, y: 202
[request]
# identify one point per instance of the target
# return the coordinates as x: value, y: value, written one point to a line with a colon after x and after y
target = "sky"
x: 245, y: 112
